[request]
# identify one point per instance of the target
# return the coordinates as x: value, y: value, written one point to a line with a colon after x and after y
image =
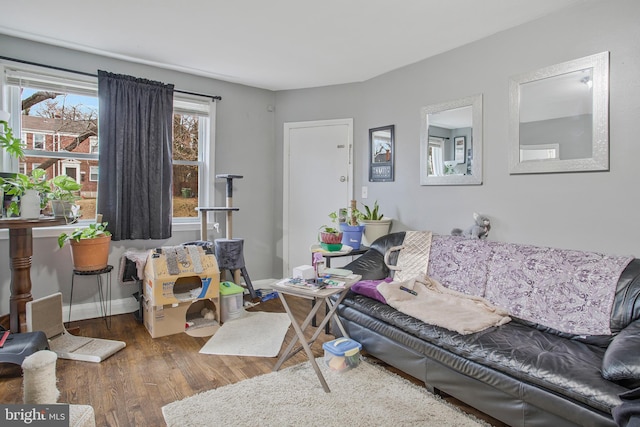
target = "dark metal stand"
x: 105, y: 303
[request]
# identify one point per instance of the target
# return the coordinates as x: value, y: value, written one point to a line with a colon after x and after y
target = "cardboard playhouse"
x: 181, y: 291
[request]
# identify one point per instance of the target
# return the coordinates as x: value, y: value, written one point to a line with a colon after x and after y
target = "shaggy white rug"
x: 254, y: 334
x: 364, y: 396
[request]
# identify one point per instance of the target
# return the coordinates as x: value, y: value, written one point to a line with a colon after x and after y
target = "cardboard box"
x: 188, y: 283
x: 171, y: 319
x: 164, y: 320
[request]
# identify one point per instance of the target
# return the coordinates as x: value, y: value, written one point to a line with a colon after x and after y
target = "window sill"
x: 43, y: 232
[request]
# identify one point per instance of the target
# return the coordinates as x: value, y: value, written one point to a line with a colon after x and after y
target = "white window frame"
x: 48, y: 79
x: 92, y: 174
x: 93, y: 145
x: 205, y: 108
x: 44, y: 140
x: 70, y: 165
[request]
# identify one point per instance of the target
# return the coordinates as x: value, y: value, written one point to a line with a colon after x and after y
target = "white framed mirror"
x: 451, y: 142
x: 559, y: 117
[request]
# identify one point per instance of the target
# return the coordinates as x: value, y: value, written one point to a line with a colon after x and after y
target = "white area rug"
x: 254, y: 334
x: 364, y: 396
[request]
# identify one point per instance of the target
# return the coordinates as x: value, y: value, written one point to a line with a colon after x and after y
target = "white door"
x: 317, y: 181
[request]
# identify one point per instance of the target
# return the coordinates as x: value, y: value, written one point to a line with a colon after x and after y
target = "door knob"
x: 343, y: 178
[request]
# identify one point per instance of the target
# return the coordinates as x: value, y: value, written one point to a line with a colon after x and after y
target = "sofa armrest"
x: 371, y: 264
x: 621, y: 361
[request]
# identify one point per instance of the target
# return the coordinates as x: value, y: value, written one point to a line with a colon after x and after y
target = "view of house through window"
x: 59, y: 127
x: 185, y: 165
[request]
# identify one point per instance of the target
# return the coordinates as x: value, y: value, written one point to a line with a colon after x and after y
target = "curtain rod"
x: 53, y: 67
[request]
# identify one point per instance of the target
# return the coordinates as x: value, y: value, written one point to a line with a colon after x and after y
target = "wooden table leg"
x: 20, y: 251
x: 305, y: 344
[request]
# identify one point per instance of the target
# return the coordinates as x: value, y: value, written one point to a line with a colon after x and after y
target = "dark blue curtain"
x: 135, y: 131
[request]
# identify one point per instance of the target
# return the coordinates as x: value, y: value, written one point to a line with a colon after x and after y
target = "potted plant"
x: 31, y: 191
x: 376, y: 225
x: 63, y: 196
x: 330, y: 237
x: 14, y: 148
x: 12, y: 145
x: 349, y: 220
x: 89, y: 246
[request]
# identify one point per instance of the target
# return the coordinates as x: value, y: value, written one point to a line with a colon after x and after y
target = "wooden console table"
x: 20, y: 252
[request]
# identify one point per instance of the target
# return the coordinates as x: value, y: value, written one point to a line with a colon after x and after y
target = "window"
x: 67, y: 118
x: 93, y: 144
x: 435, y: 161
x: 58, y: 126
x: 93, y: 173
x: 191, y: 127
x: 38, y: 141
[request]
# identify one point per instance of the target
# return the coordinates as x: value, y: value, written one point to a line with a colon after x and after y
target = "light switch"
x: 365, y: 192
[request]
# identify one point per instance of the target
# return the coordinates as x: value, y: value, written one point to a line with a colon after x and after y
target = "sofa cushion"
x: 621, y: 361
x: 566, y: 367
x: 569, y: 291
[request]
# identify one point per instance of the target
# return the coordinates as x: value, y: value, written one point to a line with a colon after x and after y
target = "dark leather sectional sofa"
x: 521, y: 373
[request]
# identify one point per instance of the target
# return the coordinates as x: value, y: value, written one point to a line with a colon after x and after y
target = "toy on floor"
x: 208, y: 314
x: 479, y: 230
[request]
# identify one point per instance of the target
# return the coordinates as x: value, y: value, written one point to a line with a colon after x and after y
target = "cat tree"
x: 229, y: 251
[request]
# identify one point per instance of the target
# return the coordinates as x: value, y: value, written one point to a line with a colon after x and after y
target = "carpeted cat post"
x: 39, y: 387
x: 39, y: 381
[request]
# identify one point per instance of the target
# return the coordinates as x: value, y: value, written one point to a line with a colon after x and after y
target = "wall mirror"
x: 381, y: 153
x: 559, y: 117
x: 451, y: 142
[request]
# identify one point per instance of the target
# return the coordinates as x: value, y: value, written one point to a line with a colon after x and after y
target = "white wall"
x: 588, y: 211
x: 245, y: 141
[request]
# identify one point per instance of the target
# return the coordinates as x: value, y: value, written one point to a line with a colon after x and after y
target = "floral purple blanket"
x: 570, y: 291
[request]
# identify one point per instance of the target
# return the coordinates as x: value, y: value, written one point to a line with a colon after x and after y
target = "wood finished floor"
x: 130, y: 387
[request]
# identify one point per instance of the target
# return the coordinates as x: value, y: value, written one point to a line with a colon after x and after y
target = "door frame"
x: 288, y: 126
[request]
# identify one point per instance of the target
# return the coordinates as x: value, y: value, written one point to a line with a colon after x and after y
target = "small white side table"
x: 318, y: 297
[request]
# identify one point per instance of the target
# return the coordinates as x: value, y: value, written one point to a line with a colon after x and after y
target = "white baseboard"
x: 92, y: 310
x: 263, y: 283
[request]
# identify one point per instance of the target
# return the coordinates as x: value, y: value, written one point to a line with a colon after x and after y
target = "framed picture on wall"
x: 459, y: 145
x: 381, y: 153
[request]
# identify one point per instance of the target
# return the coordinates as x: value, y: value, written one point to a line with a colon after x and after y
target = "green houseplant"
x: 12, y: 145
x: 350, y: 223
x: 63, y: 196
x: 89, y: 246
x: 30, y: 190
x: 376, y: 224
x: 14, y: 148
x: 330, y: 237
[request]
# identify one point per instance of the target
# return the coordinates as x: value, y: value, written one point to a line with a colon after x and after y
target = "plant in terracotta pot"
x: 29, y: 193
x: 89, y: 246
x: 376, y: 224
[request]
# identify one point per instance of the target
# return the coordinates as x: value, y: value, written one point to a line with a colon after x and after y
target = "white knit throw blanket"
x: 436, y: 305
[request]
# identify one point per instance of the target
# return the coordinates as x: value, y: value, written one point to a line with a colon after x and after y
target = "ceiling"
x: 276, y: 44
